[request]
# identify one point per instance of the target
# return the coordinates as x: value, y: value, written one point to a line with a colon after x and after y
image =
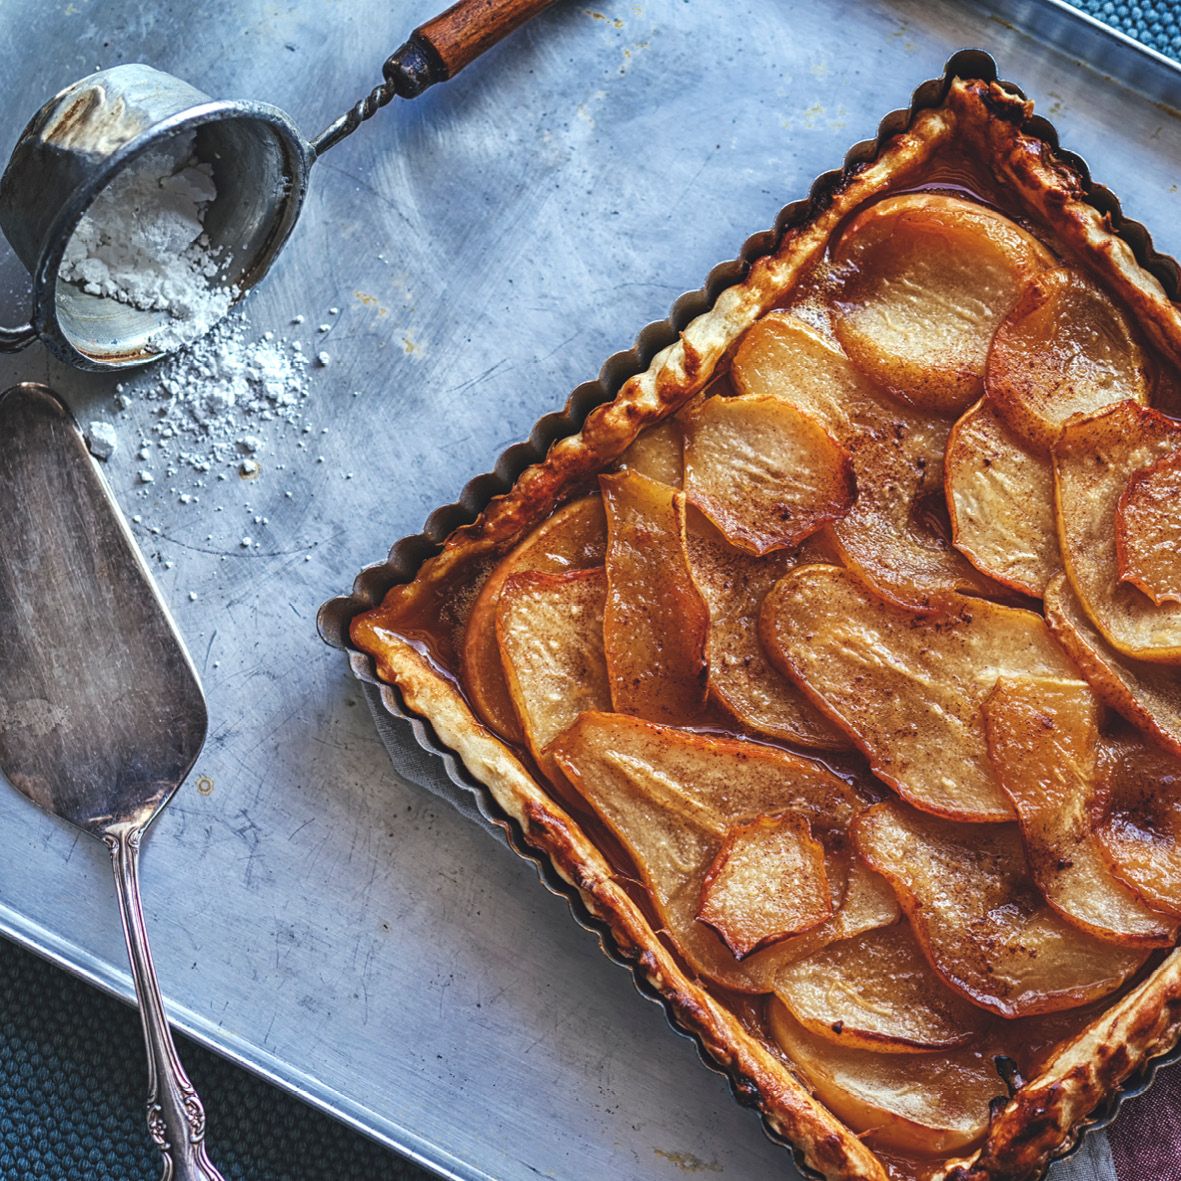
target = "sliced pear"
x: 733, y: 584
x: 782, y: 356
x: 1063, y: 349
x: 1094, y: 459
x: 927, y: 1105
x: 908, y: 688
x: 926, y: 280
x: 766, y: 474
x: 861, y: 898
x: 865, y: 903
x: 820, y: 547
x: 708, y: 955
x: 670, y: 796
x: 655, y: 623
x: 895, y: 534
x: 767, y: 882
x: 656, y: 453
x: 1138, y: 820
x: 574, y: 538
x: 1043, y: 739
x: 862, y: 901
x: 1148, y: 530
x: 877, y: 992
x: 1000, y: 494
x: 550, y: 630
x: 720, y: 781
x: 982, y: 925
x: 1148, y: 695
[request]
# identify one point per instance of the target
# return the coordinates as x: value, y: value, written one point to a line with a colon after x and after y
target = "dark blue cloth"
x: 1157, y: 24
x: 72, y: 1079
x: 71, y: 1062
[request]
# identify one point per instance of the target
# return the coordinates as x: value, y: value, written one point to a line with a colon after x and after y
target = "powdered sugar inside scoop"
x: 143, y: 242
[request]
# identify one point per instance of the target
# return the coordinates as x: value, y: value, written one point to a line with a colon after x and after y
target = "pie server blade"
x: 101, y: 711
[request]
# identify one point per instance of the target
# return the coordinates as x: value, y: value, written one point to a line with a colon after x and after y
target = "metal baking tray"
x: 317, y: 917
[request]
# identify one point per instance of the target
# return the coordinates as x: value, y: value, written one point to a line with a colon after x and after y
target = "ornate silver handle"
x: 176, y: 1118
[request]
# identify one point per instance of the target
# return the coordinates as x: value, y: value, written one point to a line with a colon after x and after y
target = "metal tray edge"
x: 407, y: 555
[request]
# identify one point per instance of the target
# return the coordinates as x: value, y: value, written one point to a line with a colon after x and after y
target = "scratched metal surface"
x: 315, y: 915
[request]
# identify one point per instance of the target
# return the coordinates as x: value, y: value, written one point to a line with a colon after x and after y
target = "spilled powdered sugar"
x: 211, y: 417
x: 211, y: 401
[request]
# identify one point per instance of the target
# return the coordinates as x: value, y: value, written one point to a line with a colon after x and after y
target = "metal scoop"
x: 83, y: 137
x: 101, y: 712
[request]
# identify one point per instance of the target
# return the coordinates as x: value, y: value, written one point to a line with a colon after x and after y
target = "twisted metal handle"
x: 176, y: 1117
x: 435, y: 52
x: 408, y: 71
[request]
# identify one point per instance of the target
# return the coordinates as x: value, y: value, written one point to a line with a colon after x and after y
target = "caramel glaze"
x: 436, y: 626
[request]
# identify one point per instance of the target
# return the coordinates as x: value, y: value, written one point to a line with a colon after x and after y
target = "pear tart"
x: 836, y: 662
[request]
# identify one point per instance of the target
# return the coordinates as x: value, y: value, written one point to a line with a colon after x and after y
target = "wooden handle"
x: 459, y: 35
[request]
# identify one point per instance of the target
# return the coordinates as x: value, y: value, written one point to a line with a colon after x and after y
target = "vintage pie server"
x: 83, y: 136
x: 101, y: 711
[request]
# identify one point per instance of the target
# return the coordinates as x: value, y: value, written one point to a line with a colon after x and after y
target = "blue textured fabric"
x: 72, y: 1083
x: 1157, y: 25
x: 71, y: 1063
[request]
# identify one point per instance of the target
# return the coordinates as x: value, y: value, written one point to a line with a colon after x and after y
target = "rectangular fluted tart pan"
x: 965, y: 138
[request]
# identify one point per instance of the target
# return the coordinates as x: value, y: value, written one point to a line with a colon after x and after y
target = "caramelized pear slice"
x: 719, y: 781
x: 670, y: 796
x: 865, y: 902
x: 1148, y: 695
x: 927, y: 279
x: 656, y: 453
x: 1043, y: 738
x: 1094, y: 459
x: 767, y: 882
x: 707, y: 954
x: 550, y: 629
x: 574, y: 538
x: 894, y: 535
x: 927, y: 1105
x: 733, y: 584
x: 982, y: 925
x: 655, y: 623
x: 862, y: 901
x: 1138, y: 820
x: 1148, y: 530
x: 877, y: 992
x: 1000, y: 494
x: 781, y: 356
x: 764, y: 472
x: 908, y: 688
x: 1063, y: 349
